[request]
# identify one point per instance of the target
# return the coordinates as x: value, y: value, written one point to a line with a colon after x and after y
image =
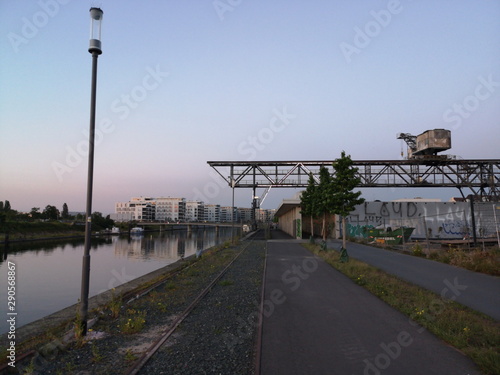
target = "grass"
x: 475, y: 334
x: 478, y: 260
x: 19, y: 230
x: 115, y: 304
x: 134, y: 321
x: 226, y: 282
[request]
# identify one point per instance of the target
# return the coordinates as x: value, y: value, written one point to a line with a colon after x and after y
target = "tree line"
x: 50, y: 212
x: 333, y: 194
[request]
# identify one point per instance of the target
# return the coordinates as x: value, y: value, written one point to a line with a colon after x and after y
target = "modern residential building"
x: 212, y: 213
x: 245, y: 215
x: 167, y: 209
x: 195, y: 211
x: 170, y: 209
x: 140, y: 209
x: 226, y: 214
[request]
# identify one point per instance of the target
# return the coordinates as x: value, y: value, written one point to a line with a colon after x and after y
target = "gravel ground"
x: 218, y: 337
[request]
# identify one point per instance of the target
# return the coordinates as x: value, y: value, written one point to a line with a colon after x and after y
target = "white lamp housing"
x: 95, y: 30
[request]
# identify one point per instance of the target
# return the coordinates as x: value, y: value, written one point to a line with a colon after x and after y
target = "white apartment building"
x: 195, y: 211
x: 170, y: 209
x: 139, y: 208
x: 212, y: 213
x: 226, y: 215
x: 167, y: 209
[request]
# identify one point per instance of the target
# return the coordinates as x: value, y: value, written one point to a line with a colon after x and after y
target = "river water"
x: 48, y: 274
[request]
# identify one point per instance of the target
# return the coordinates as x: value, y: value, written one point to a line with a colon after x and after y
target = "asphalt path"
x: 318, y: 321
x: 476, y: 290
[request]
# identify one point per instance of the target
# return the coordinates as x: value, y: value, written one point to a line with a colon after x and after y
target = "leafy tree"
x: 100, y: 222
x: 65, y: 212
x: 50, y: 212
x: 308, y: 201
x: 324, y: 199
x: 1, y: 206
x: 6, y: 206
x: 35, y: 213
x: 344, y: 181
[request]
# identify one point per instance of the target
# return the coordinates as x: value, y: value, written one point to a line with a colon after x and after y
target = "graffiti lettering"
x: 457, y: 227
x: 383, y: 210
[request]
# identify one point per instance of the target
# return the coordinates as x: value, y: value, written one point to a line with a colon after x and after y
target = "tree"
x: 65, y: 212
x: 324, y: 198
x: 35, y: 213
x: 308, y: 202
x: 343, y: 183
x: 50, y: 212
x: 6, y: 206
x: 100, y: 222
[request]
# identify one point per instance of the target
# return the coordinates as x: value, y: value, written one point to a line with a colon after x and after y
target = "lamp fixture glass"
x: 95, y: 30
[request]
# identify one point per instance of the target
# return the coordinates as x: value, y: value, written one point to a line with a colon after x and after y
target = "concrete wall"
x: 291, y: 222
x: 446, y: 220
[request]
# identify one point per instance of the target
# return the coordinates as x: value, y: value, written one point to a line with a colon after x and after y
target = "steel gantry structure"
x: 481, y: 177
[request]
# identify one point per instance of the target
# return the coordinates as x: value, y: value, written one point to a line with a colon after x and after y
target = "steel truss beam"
x: 482, y: 177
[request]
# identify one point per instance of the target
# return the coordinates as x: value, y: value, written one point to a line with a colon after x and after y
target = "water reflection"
x: 49, y: 273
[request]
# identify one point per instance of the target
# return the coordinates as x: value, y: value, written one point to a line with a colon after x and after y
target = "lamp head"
x: 95, y: 30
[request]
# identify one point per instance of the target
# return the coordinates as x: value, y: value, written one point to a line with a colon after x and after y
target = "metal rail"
x: 481, y: 177
x: 141, y: 362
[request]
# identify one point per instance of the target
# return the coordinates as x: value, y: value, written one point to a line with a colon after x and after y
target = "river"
x: 48, y: 274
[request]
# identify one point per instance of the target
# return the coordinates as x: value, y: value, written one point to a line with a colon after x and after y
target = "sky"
x: 184, y: 82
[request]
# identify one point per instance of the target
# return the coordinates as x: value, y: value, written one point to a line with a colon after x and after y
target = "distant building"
x: 212, y: 213
x: 226, y: 214
x: 167, y: 209
x: 139, y: 209
x: 245, y: 215
x: 170, y: 209
x: 195, y: 211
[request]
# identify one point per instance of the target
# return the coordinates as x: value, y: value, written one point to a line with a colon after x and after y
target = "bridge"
x: 481, y: 177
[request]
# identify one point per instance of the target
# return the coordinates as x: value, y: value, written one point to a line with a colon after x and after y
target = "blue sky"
x: 184, y: 82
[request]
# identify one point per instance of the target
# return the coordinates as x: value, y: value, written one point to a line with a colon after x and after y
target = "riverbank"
x: 26, y: 231
x: 164, y: 294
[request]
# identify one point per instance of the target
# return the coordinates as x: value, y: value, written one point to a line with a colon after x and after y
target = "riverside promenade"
x: 318, y: 321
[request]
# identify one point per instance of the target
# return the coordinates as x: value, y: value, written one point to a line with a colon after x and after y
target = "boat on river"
x: 137, y: 230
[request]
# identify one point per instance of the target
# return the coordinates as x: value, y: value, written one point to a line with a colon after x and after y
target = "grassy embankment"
x: 473, y: 333
x: 18, y: 231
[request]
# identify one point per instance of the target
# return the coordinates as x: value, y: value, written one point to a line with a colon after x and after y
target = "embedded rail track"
x: 139, y: 364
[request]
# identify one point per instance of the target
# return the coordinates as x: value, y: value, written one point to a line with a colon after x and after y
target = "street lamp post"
x: 233, y: 184
x: 95, y: 50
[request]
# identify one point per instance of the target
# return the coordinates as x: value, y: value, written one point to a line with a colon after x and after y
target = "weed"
x: 96, y: 356
x: 115, y: 304
x: 360, y: 280
x: 30, y: 369
x: 135, y: 323
x: 170, y: 285
x: 78, y: 326
x: 226, y: 282
x: 417, y: 250
x: 162, y: 307
x: 130, y: 356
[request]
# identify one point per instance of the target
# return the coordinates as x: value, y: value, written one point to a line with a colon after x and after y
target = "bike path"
x: 476, y: 290
x: 318, y: 321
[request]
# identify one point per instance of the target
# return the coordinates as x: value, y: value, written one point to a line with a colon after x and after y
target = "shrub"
x: 417, y: 250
